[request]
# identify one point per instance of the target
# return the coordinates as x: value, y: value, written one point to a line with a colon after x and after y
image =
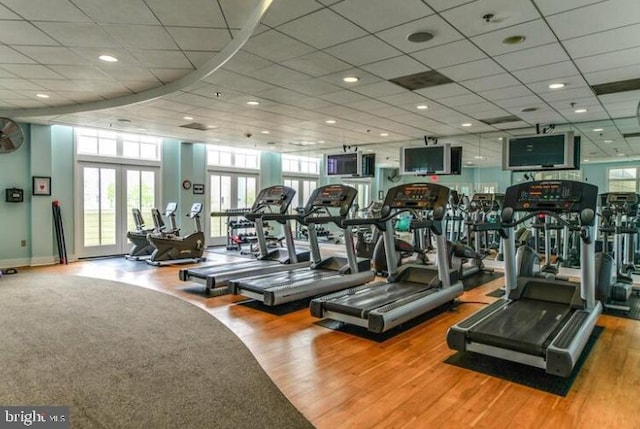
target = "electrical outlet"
x: 23, y: 243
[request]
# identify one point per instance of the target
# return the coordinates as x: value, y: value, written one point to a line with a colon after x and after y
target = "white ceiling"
x: 294, y: 62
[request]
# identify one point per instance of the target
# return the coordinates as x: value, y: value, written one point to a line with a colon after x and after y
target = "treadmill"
x: 327, y: 204
x: 543, y: 323
x: 274, y: 199
x: 412, y: 289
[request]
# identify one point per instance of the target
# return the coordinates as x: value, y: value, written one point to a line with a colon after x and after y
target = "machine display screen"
x: 418, y: 196
x: 331, y: 196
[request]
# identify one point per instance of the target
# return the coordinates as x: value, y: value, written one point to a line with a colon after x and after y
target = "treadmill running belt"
x: 204, y: 272
x: 260, y: 284
x: 365, y: 300
x: 524, y: 326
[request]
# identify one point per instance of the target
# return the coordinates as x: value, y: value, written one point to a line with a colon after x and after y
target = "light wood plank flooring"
x: 341, y: 381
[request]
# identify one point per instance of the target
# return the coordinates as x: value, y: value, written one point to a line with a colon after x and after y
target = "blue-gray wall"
x: 49, y: 151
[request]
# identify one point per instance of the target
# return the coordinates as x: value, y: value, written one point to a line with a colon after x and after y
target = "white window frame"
x: 121, y: 139
x: 610, y: 180
x: 300, y: 161
x: 234, y: 155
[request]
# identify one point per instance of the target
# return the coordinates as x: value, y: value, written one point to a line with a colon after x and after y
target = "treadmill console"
x: 171, y: 209
x: 196, y: 208
x: 565, y: 196
x: 420, y: 196
x: 332, y: 196
x: 278, y: 198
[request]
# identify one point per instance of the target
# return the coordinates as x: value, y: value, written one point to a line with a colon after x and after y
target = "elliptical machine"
x: 613, y: 285
x: 173, y: 249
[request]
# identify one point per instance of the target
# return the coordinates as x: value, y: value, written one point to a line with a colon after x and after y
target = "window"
x: 559, y: 175
x: 221, y: 156
x: 300, y: 164
x: 303, y: 187
x: 93, y: 142
x: 623, y: 179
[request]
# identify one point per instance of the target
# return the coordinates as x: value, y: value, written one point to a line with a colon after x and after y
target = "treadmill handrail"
x: 531, y: 215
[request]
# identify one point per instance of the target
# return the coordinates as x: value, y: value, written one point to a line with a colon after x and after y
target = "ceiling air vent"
x: 196, y: 126
x: 619, y: 86
x: 631, y: 135
x: 501, y: 120
x: 421, y: 80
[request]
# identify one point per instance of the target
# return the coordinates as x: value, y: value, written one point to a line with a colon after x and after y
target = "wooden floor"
x: 342, y: 381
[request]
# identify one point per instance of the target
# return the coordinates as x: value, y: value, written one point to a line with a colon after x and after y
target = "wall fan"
x: 11, y: 135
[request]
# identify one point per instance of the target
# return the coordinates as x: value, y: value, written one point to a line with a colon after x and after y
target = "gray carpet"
x: 123, y: 356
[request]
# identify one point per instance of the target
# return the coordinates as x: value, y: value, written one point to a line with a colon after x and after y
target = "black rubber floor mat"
x: 479, y: 279
x: 529, y: 376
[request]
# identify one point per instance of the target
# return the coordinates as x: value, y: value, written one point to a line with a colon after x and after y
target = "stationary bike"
x: 179, y: 250
x: 140, y: 246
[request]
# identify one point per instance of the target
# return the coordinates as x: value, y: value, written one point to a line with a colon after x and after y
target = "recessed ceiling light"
x: 188, y: 118
x: 469, y: 163
x: 350, y: 79
x: 215, y: 140
x: 330, y: 121
x: 108, y: 58
x: 264, y: 132
x: 42, y: 96
x: 597, y: 130
x: 384, y: 134
x: 422, y: 107
x: 212, y: 126
x: 585, y: 160
x: 621, y: 154
x: 608, y: 141
x: 420, y: 37
x: 253, y: 103
x: 479, y: 157
x: 466, y: 124
x: 514, y: 40
x: 580, y: 110
x: 320, y: 141
x: 556, y: 86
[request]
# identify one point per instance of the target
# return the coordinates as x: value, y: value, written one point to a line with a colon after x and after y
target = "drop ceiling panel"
x: 491, y: 82
x: 141, y: 36
x: 472, y: 70
x: 237, y: 82
x: 278, y: 75
x: 379, y: 89
x: 236, y: 13
x: 24, y: 33
x: 461, y: 100
x: 613, y: 75
x: 322, y: 29
x: 117, y: 11
x: 443, y: 91
x: 506, y: 93
x: 7, y: 14
x: 595, y: 18
x: 195, y: 13
x: 282, y: 11
x: 449, y: 54
x: 345, y: 97
x: 162, y: 58
x: 365, y: 50
x: 312, y: 87
x: 394, y: 67
x: 47, y: 10
x: 244, y: 62
x: 534, y: 57
x: 571, y: 82
x: 608, y: 60
x: 31, y: 71
x: 336, y: 78
x: 74, y: 34
x: 199, y: 39
x: 536, y: 33
x: 548, y: 72
x: 316, y: 64
x: 550, y: 7
x: 276, y: 46
x: 13, y: 56
x: 376, y: 15
x: 598, y: 43
x: 468, y: 18
x: 440, y: 5
x: 443, y: 33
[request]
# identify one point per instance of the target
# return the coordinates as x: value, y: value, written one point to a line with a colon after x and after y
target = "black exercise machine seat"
x: 541, y: 322
x: 412, y: 289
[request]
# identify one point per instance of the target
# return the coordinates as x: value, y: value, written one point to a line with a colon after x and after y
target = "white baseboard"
x: 33, y: 262
x: 43, y: 260
x: 18, y: 262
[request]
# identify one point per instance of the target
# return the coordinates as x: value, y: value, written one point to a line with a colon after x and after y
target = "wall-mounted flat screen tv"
x: 422, y: 160
x: 558, y: 151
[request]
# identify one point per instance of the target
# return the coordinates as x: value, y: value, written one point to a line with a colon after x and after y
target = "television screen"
x: 426, y: 159
x: 540, y: 152
x: 456, y: 160
x: 344, y: 164
x: 368, y: 165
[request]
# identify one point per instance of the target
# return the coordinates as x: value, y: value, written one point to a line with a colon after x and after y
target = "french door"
x: 108, y: 192
x: 228, y: 191
x: 303, y: 187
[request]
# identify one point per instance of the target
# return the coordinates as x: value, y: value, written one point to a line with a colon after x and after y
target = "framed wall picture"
x: 41, y: 185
